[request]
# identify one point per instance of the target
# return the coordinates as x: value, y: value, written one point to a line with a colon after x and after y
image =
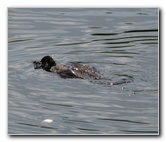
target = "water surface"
x: 121, y: 43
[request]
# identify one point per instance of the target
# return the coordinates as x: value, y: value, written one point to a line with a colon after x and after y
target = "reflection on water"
x: 121, y: 43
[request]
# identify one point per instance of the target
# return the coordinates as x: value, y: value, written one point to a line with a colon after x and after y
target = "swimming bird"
x: 70, y: 70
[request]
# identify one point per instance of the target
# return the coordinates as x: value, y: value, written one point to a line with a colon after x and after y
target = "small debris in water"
x: 48, y: 121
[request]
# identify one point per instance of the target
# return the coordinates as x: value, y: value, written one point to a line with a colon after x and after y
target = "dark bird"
x: 71, y: 70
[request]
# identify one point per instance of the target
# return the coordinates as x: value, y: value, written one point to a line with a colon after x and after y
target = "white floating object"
x: 48, y: 121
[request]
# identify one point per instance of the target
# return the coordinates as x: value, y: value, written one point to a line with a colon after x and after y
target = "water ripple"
x: 122, y: 120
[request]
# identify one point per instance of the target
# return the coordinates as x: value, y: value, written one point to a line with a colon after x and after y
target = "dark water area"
x: 121, y: 43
